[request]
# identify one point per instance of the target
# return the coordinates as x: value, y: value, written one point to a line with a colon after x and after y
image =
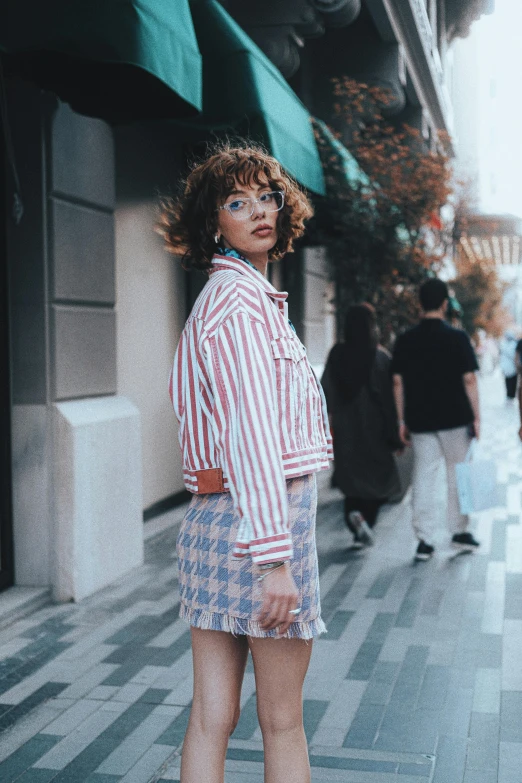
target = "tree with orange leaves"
x: 382, y: 230
x: 480, y: 292
x: 477, y: 284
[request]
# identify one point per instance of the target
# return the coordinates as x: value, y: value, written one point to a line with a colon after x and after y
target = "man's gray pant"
x: 429, y: 449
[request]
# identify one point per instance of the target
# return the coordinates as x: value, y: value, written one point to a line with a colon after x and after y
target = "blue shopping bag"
x: 476, y: 483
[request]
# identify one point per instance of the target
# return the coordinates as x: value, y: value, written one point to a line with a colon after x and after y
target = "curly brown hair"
x: 188, y: 222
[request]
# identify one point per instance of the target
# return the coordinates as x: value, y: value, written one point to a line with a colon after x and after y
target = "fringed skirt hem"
x: 239, y: 626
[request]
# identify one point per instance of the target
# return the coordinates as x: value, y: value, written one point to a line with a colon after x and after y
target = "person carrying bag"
x: 476, y: 482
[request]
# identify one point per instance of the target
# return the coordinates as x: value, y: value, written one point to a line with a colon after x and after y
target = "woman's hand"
x: 279, y: 598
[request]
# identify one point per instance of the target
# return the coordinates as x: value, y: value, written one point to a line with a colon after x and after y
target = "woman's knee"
x: 279, y: 718
x: 213, y: 719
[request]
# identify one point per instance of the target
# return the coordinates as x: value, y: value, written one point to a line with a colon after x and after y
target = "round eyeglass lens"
x: 241, y: 208
x: 273, y: 201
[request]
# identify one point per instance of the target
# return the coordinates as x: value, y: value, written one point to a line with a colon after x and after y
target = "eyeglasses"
x: 243, y: 208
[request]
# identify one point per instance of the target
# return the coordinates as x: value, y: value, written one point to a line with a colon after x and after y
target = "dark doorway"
x: 6, y: 516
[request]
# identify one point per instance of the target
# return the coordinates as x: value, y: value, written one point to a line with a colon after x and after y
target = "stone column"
x: 97, y: 447
x: 319, y: 307
x: 76, y: 449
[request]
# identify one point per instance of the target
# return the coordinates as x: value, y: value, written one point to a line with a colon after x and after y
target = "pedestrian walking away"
x: 358, y: 389
x: 518, y: 362
x: 436, y: 395
x: 508, y: 362
x: 253, y: 433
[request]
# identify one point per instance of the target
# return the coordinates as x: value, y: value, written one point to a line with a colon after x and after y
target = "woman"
x: 253, y: 433
x: 358, y: 389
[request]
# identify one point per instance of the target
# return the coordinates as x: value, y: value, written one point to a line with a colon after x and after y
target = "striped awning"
x: 494, y: 238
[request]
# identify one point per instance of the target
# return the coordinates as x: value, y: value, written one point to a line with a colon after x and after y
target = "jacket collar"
x: 238, y: 265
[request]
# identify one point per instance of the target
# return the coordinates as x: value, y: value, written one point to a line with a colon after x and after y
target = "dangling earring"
x: 216, y: 239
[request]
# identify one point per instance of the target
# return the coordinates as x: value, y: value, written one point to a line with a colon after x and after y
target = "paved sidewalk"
x: 419, y: 678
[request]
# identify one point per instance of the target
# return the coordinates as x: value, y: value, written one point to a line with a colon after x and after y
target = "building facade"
x: 94, y: 128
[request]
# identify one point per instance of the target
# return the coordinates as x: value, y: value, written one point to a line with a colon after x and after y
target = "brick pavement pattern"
x: 419, y: 679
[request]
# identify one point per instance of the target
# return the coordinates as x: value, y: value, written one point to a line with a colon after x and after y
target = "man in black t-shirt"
x: 436, y: 395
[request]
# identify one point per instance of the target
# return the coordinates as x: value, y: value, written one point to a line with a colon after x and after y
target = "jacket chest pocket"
x: 290, y: 367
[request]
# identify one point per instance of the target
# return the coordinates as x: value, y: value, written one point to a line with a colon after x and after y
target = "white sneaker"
x: 363, y: 535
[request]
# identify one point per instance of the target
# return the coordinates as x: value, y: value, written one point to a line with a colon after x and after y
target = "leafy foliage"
x: 477, y: 285
x: 480, y: 292
x: 381, y: 226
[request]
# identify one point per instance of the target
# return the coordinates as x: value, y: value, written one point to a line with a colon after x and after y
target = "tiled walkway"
x: 419, y: 678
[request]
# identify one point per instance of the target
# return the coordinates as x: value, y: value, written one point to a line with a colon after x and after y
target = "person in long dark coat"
x: 358, y: 389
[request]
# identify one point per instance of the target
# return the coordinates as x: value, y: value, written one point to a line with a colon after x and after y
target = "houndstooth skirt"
x: 221, y: 594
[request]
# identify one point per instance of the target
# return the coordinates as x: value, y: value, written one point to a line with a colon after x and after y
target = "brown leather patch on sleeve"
x: 210, y: 481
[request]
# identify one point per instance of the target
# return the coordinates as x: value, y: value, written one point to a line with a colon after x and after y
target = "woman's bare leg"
x: 280, y: 667
x: 219, y: 661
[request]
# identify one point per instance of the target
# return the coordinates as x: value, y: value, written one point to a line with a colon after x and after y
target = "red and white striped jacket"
x: 250, y: 410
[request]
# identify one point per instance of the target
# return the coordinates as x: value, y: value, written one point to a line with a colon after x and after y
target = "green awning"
x: 353, y: 173
x: 243, y: 89
x: 348, y: 173
x: 353, y: 176
x: 116, y: 59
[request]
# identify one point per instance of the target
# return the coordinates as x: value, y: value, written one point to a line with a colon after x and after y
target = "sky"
x: 497, y: 43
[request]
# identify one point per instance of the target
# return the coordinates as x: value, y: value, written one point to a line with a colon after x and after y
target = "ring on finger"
x: 295, y: 611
